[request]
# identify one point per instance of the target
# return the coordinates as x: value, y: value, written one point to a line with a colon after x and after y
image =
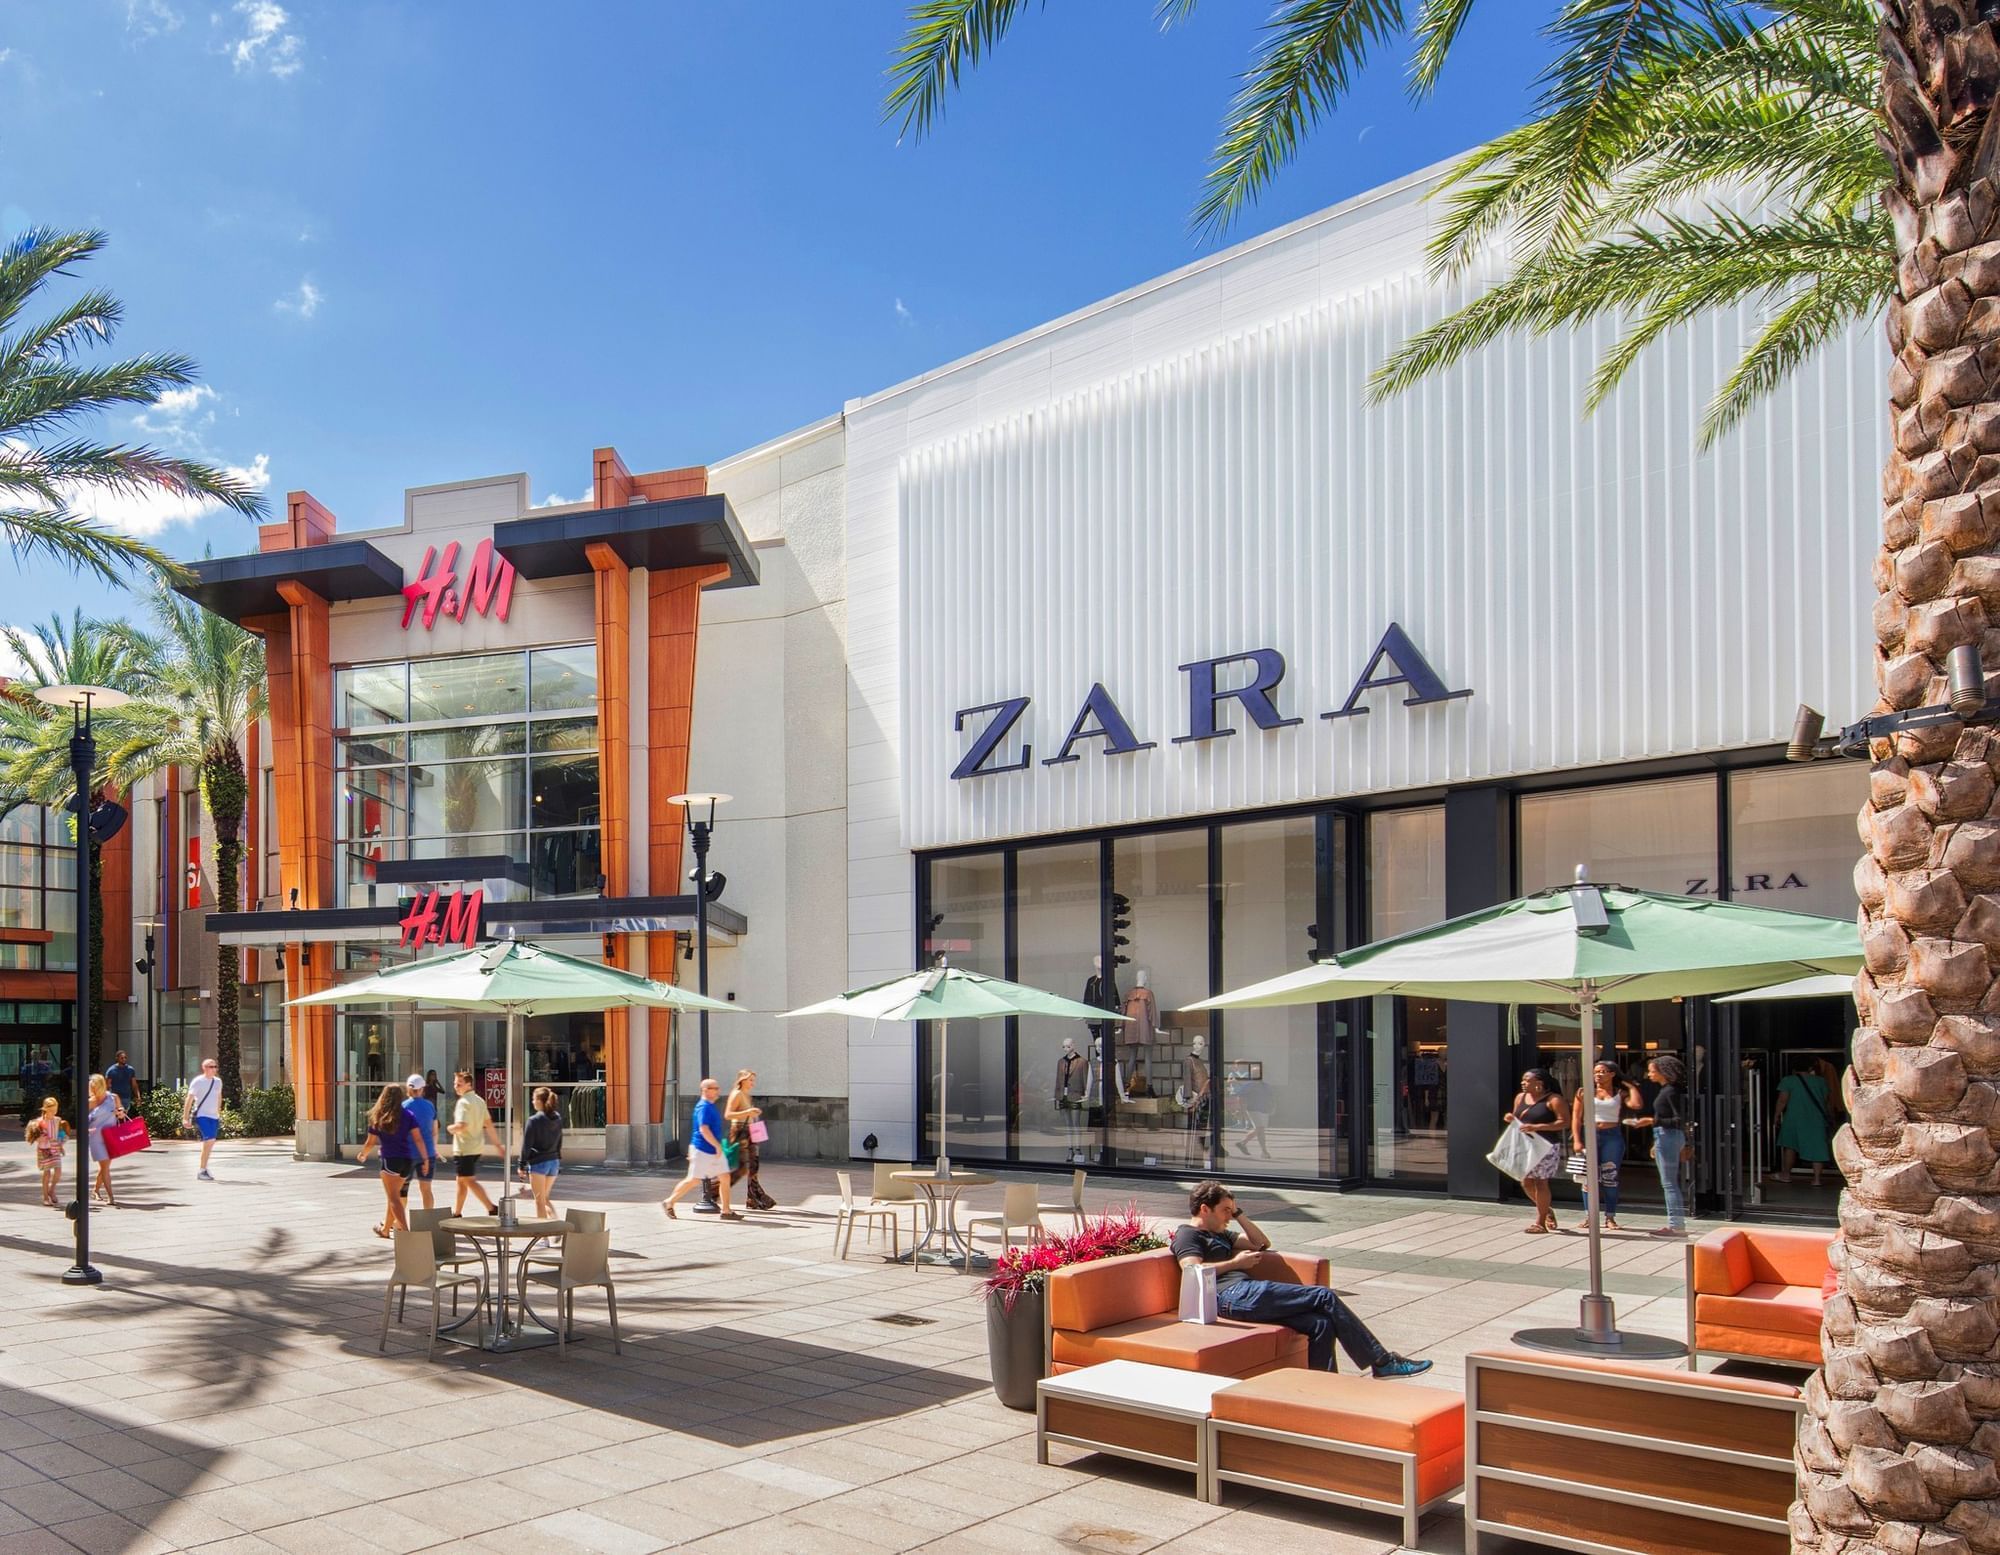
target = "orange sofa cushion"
x: 1428, y: 1423
x: 1778, y: 1309
x: 1762, y: 1343
x: 1727, y: 1261
x: 1219, y: 1349
x: 1113, y: 1291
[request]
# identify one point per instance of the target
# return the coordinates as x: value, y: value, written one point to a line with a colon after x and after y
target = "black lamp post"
x: 81, y: 701
x: 701, y: 830
x: 147, y: 969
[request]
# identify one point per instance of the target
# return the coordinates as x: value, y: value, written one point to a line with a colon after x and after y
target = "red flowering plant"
x: 1109, y: 1235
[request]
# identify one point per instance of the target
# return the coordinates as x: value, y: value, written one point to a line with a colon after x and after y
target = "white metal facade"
x: 1192, y: 470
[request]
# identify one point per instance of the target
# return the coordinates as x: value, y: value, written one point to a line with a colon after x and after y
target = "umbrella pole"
x: 1596, y: 1321
x: 944, y: 1067
x: 513, y: 1032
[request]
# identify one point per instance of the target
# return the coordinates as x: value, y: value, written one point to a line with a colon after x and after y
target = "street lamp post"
x: 701, y: 831
x: 81, y: 701
x: 150, y: 968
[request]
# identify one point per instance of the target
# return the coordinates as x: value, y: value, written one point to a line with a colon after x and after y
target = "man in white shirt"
x: 201, y: 1110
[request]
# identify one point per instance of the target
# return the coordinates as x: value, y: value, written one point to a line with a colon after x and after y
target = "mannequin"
x: 1195, y: 1081
x: 1101, y: 990
x: 1143, y: 1009
x: 1072, y: 1093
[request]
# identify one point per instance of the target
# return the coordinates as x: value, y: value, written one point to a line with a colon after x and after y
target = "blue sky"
x: 423, y: 241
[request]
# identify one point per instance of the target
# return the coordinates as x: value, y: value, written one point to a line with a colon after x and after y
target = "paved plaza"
x: 222, y: 1391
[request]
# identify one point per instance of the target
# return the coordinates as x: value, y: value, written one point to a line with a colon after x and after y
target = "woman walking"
x: 1538, y: 1110
x: 394, y: 1133
x: 49, y: 1132
x: 1669, y: 1126
x: 541, y: 1151
x: 706, y: 1157
x: 741, y: 1113
x: 1804, y: 1119
x: 105, y: 1110
x: 1603, y: 1113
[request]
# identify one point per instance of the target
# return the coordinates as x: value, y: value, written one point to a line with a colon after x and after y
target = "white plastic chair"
x: 586, y: 1265
x: 416, y: 1264
x: 886, y: 1190
x: 576, y: 1220
x: 1019, y: 1211
x: 449, y: 1255
x: 850, y: 1212
x: 1075, y: 1205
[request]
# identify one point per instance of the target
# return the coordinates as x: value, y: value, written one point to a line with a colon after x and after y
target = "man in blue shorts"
x: 202, y: 1111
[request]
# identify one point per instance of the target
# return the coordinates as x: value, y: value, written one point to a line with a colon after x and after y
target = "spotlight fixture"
x: 1966, y: 677
x: 1806, y: 726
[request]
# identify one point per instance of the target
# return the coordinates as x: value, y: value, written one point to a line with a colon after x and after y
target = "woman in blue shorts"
x: 541, y: 1150
x: 394, y: 1132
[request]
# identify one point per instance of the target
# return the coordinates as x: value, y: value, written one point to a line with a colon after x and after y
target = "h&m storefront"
x: 1190, y: 664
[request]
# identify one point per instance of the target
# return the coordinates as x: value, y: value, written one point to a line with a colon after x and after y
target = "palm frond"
x: 56, y: 534
x: 1439, y: 23
x: 943, y: 39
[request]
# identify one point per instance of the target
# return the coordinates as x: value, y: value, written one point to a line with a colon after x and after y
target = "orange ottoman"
x: 1383, y: 1446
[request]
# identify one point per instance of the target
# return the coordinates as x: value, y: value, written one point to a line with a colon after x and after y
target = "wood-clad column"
x: 673, y: 624
x: 614, y: 794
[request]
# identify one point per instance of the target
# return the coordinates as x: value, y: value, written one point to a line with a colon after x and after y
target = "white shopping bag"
x: 1198, y: 1294
x: 1517, y: 1152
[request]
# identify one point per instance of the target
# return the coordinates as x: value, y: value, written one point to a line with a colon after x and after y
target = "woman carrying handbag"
x: 1540, y: 1111
x: 747, y: 1131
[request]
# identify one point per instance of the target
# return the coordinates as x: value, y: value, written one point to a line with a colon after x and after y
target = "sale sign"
x: 493, y: 1087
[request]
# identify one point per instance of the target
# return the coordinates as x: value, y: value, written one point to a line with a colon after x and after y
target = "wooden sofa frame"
x: 1404, y: 1505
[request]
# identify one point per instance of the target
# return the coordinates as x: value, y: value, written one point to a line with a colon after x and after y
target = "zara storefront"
x: 1175, y: 661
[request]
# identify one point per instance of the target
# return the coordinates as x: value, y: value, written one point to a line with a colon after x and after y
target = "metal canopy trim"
x: 680, y: 532
x: 520, y: 920
x: 235, y: 587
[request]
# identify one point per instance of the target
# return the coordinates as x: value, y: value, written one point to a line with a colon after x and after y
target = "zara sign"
x: 1396, y: 661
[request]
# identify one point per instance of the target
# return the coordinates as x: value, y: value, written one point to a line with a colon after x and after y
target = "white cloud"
x: 265, y: 44
x: 304, y: 302
x: 145, y: 514
x: 554, y: 501
x: 903, y: 314
x: 150, y: 18
x: 179, y: 417
x: 5, y: 55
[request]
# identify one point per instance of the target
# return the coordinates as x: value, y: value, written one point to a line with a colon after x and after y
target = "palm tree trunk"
x: 225, y: 791
x: 1896, y: 1452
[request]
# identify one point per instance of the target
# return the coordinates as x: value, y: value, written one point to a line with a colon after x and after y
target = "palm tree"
x: 200, y: 690
x: 51, y: 474
x: 1897, y: 1449
x: 34, y: 745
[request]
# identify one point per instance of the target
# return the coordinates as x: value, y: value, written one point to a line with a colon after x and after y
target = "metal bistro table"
x: 507, y: 1332
x: 941, y: 1214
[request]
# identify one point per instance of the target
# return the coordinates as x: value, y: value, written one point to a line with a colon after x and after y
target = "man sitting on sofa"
x: 1221, y: 1235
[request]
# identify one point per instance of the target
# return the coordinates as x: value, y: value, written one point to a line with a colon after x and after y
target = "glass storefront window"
x: 968, y: 924
x: 1271, y: 1069
x: 470, y: 788
x: 1164, y: 1084
x: 1792, y: 841
x: 1657, y: 836
x: 38, y: 887
x: 491, y: 685
x: 1409, y: 1064
x: 1058, y: 925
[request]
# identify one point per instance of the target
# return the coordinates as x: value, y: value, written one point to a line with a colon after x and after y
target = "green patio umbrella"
x: 514, y: 978
x: 1825, y: 985
x: 948, y: 993
x: 1586, y: 945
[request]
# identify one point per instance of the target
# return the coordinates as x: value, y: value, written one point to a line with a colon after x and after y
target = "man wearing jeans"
x: 1222, y: 1236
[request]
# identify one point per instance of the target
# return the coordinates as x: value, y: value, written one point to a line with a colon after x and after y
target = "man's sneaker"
x: 203, y: 1177
x: 1400, y: 1366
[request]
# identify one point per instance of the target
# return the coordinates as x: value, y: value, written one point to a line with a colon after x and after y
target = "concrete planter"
x: 1014, y: 1347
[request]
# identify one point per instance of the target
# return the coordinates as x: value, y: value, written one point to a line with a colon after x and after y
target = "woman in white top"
x: 105, y: 1110
x: 1612, y: 1096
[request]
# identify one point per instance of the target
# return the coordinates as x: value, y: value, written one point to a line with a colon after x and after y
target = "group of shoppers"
x: 1597, y: 1122
x: 403, y: 1128
x: 113, y: 1097
x: 722, y: 1148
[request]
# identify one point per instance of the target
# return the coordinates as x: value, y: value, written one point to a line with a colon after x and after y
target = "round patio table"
x: 507, y: 1331
x: 941, y: 1213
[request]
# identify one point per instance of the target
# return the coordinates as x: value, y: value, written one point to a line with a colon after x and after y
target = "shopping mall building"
x: 1137, y: 657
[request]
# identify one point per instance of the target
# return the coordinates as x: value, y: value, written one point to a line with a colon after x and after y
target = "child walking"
x: 49, y: 1132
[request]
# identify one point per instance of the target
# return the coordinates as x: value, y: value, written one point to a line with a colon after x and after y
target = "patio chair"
x: 449, y: 1255
x: 416, y: 1264
x: 1075, y: 1205
x: 577, y: 1220
x: 1019, y: 1211
x: 868, y: 1215
x: 886, y: 1190
x: 586, y: 1264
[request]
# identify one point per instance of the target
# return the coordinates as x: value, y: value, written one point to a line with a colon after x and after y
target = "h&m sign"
x: 488, y: 588
x: 432, y: 919
x: 1395, y: 662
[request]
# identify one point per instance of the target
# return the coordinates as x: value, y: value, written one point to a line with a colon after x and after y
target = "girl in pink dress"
x: 49, y: 1132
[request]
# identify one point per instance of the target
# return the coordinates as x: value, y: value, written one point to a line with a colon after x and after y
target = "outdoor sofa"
x: 1755, y: 1294
x: 1128, y: 1309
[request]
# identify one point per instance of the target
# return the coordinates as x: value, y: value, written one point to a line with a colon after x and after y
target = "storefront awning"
x: 679, y: 532
x: 237, y: 587
x: 498, y: 920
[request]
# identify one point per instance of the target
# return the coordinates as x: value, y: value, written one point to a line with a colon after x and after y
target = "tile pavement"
x: 222, y: 1390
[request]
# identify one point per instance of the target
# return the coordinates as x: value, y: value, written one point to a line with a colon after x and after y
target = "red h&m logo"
x: 424, y: 924
x: 194, y: 873
x: 488, y: 587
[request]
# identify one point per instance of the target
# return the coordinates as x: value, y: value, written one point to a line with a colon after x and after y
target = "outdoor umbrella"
x: 1586, y: 945
x: 515, y: 978
x: 948, y: 993
x: 1824, y: 986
